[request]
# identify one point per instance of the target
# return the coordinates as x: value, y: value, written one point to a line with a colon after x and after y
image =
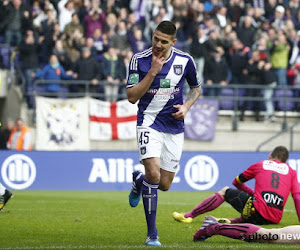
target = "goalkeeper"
x: 274, y: 180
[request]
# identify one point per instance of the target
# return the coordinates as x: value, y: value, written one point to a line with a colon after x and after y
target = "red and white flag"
x: 112, y: 120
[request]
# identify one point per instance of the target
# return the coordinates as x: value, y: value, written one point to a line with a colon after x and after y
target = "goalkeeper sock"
x: 207, y: 205
x: 149, y: 194
x: 2, y: 189
x: 238, y: 231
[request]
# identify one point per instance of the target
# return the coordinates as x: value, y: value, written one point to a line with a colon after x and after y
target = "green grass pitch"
x: 104, y: 220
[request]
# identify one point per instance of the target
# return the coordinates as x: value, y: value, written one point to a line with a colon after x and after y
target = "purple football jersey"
x: 156, y: 106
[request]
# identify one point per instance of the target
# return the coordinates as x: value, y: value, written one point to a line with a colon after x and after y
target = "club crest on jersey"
x: 177, y: 69
x: 143, y: 150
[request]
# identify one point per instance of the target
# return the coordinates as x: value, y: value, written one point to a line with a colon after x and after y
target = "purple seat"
x: 284, y: 104
x: 224, y: 103
x: 30, y: 97
x: 63, y: 92
x: 5, y: 53
x: 2, y: 39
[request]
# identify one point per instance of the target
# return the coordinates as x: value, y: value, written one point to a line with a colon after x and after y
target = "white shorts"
x: 166, y: 146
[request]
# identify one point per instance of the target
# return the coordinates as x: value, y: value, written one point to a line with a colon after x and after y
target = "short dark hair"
x: 280, y: 153
x: 167, y: 27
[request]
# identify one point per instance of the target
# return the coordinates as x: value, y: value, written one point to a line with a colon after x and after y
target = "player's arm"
x: 192, y: 96
x: 137, y: 91
x: 194, y: 93
x: 295, y: 189
x: 238, y: 182
x: 296, y: 198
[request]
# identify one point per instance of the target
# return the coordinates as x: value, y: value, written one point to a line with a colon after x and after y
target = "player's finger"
x: 160, y: 54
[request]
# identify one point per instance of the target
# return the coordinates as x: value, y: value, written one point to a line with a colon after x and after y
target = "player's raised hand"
x: 157, y: 63
x: 180, y: 114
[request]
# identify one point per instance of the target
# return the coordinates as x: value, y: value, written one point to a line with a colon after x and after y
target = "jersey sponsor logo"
x: 273, y: 199
x: 177, y: 69
x: 18, y: 171
x: 201, y: 172
x: 280, y: 168
x: 164, y: 93
x: 134, y: 78
x: 165, y: 83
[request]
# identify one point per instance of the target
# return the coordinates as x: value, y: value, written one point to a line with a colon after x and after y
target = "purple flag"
x: 200, y: 121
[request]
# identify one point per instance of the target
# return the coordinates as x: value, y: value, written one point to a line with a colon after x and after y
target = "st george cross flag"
x: 200, y: 121
x: 112, y: 120
x: 62, y: 124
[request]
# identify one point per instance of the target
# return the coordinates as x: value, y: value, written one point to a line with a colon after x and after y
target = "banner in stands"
x: 200, y: 121
x: 112, y: 120
x: 112, y: 170
x: 62, y: 124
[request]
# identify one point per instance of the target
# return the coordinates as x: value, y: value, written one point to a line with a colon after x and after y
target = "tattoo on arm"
x: 193, y: 94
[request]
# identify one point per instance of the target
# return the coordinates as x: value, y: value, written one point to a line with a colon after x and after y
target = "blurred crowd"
x: 231, y: 41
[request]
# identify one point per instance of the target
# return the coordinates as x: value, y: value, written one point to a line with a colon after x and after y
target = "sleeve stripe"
x: 134, y: 60
x: 238, y: 180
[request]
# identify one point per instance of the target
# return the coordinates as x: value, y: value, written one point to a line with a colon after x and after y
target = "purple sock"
x: 237, y: 231
x: 139, y: 181
x: 237, y: 220
x: 207, y: 205
x: 149, y: 194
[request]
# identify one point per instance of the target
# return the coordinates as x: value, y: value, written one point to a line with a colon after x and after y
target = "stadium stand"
x: 240, y: 27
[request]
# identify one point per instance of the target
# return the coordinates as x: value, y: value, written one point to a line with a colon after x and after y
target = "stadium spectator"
x: 120, y: 40
x: 42, y: 15
x: 93, y: 20
x: 52, y: 71
x: 274, y: 180
x: 47, y: 35
x: 114, y: 73
x: 280, y: 57
x: 73, y: 25
x: 89, y: 42
x: 160, y: 120
x: 279, y: 20
x: 101, y: 43
x: 87, y: 68
x: 17, y: 20
x: 29, y: 57
x: 65, y: 8
x: 236, y: 9
x: 253, y: 73
x: 110, y: 25
x: 137, y: 42
x: 5, y: 195
x: 238, y: 59
x: 4, y: 134
x: 248, y: 232
x: 141, y: 12
x: 294, y: 42
x: 269, y: 80
x: 62, y: 56
x: 221, y: 18
x: 270, y: 6
x: 215, y: 72
x: 199, y: 49
x: 73, y: 44
x: 246, y: 32
x: 20, y: 136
